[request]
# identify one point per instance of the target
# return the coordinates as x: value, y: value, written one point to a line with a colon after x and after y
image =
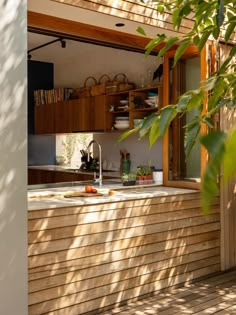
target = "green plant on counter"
x: 128, y: 179
x: 128, y: 176
x: 144, y: 170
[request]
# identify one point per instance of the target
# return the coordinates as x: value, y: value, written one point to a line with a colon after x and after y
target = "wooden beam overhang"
x: 51, y: 25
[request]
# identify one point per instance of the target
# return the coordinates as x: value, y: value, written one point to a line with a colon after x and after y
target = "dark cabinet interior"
x: 41, y: 149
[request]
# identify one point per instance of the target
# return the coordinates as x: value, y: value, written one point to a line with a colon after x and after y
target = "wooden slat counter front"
x: 95, y: 254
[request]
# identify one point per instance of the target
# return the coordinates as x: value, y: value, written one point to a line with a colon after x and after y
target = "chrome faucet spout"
x: 99, y: 180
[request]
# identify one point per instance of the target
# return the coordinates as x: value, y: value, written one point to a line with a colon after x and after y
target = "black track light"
x: 63, y: 43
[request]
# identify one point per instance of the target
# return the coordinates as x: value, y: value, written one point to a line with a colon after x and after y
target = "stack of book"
x: 52, y: 96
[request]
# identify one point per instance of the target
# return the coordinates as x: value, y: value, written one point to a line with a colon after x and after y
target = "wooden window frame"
x: 189, y: 53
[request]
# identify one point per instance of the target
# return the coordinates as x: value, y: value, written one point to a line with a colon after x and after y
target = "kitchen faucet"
x: 97, y: 180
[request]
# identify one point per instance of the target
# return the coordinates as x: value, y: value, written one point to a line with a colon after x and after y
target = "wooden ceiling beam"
x: 50, y: 25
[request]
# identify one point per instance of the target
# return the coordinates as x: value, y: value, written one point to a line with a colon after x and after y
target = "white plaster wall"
x: 139, y: 149
x: 76, y: 62
x: 81, y: 60
x: 13, y: 115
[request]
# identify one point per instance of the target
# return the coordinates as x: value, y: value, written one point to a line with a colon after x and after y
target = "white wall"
x: 13, y: 202
x: 76, y: 62
x: 140, y: 152
x: 81, y: 60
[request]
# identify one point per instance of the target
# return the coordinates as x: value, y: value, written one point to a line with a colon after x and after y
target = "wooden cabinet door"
x: 37, y: 176
x: 98, y: 112
x: 80, y: 115
x: 63, y: 117
x: 44, y: 119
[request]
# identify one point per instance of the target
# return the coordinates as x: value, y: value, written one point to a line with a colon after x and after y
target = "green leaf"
x: 214, y: 142
x: 141, y: 31
x: 203, y: 40
x: 208, y: 121
x: 216, y: 32
x: 229, y: 31
x: 196, y: 99
x: 126, y: 134
x: 189, y: 100
x: 181, y: 49
x: 171, y: 41
x: 168, y: 113
x: 160, y: 8
x: 147, y: 124
x: 209, y: 83
x: 196, y: 39
x: 183, y: 102
x: 229, y: 165
x: 153, y: 43
x: 155, y: 131
x: 219, y: 89
x: 191, y: 134
x: 176, y: 19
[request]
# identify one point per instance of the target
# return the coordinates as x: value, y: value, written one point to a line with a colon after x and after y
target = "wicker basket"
x: 100, y: 88
x: 85, y: 91
x: 124, y: 85
x: 119, y: 83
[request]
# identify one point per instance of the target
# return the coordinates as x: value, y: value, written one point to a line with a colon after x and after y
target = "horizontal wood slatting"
x: 131, y: 10
x: 145, y: 13
x: 228, y: 190
x: 85, y: 258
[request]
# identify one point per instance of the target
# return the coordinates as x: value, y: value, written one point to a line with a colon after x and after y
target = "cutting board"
x: 81, y: 194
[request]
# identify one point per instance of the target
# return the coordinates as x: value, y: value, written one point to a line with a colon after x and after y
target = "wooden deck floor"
x: 214, y: 295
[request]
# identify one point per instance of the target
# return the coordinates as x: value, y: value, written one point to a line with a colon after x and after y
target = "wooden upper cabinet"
x: 44, y: 119
x: 54, y: 118
x: 98, y: 112
x: 85, y: 114
x: 93, y: 113
x: 88, y: 114
x: 63, y: 116
x: 81, y: 120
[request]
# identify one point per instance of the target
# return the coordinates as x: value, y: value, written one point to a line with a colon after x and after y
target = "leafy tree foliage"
x: 211, y: 19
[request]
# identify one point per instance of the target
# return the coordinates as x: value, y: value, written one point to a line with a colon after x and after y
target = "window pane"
x: 183, y: 77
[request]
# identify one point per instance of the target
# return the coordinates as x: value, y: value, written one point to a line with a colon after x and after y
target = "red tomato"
x: 88, y: 189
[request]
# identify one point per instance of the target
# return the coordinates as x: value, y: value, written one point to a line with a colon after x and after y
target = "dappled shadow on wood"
x: 87, y: 258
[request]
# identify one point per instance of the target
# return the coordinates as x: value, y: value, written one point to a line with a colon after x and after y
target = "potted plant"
x: 128, y: 179
x: 144, y: 175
